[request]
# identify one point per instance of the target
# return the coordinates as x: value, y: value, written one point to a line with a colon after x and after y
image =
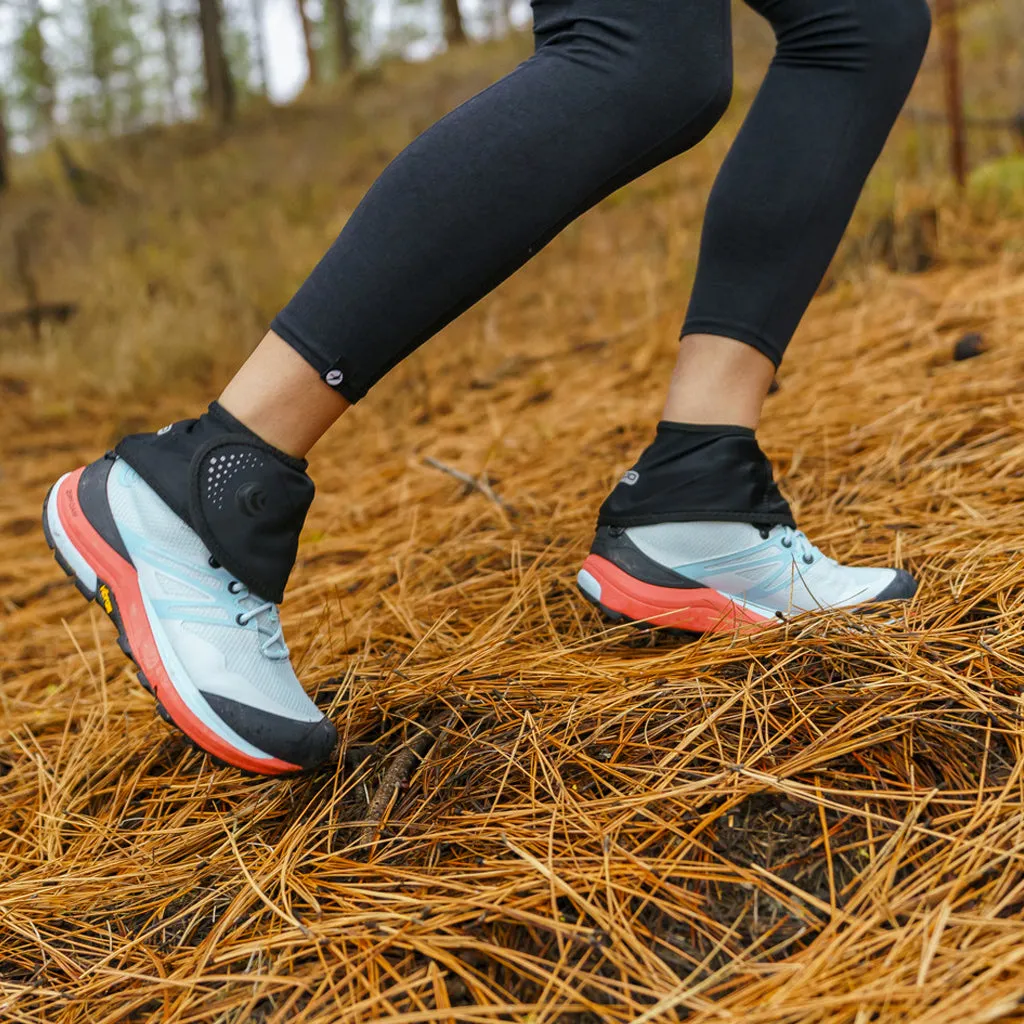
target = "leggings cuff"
x: 726, y: 329
x: 351, y: 391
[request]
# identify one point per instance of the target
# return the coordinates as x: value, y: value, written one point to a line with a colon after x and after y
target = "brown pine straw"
x: 819, y: 823
x: 536, y: 817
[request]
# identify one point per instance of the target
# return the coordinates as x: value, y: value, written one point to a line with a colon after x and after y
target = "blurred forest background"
x: 132, y: 129
x: 102, y: 67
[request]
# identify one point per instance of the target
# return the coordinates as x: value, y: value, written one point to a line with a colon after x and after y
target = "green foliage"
x: 113, y: 94
x: 327, y: 34
x: 998, y: 186
x: 34, y: 93
x: 409, y: 26
x: 4, y: 154
x: 238, y: 48
x: 360, y: 20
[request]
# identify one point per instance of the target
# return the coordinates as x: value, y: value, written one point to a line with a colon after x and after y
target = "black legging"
x: 615, y: 88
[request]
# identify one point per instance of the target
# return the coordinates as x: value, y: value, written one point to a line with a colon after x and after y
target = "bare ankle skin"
x: 718, y: 381
x: 281, y: 398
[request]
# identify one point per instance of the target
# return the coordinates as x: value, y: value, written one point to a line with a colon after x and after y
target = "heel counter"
x: 92, y: 498
x: 614, y: 545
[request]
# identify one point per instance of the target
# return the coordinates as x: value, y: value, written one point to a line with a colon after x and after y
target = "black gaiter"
x: 697, y: 473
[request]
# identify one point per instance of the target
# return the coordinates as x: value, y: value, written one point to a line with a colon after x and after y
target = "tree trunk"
x: 345, y: 41
x: 454, y: 28
x: 220, y: 89
x: 171, y: 62
x: 949, y: 40
x: 260, y: 45
x: 43, y: 82
x: 307, y: 35
x: 4, y: 151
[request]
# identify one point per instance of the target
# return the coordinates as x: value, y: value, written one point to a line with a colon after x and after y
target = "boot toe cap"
x: 902, y: 587
x: 304, y: 744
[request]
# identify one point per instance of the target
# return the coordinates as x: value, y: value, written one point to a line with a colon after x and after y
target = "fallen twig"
x: 473, y: 483
x: 397, y: 775
x: 1009, y: 122
x: 35, y: 315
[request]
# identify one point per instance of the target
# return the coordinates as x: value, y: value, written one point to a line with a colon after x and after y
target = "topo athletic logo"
x: 251, y: 499
x: 630, y: 478
x: 334, y: 377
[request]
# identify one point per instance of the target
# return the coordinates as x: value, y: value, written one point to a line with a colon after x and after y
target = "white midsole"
x: 588, y: 585
x: 176, y: 673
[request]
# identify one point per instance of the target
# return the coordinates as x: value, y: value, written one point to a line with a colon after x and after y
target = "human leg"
x: 187, y: 537
x: 612, y: 90
x: 282, y: 398
x: 697, y: 535
x: 718, y: 380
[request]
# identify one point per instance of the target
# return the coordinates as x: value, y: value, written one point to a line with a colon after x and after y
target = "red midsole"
x: 700, y: 610
x: 120, y: 576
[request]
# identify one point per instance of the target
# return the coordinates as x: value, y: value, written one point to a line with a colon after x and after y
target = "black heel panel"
x: 613, y: 544
x: 248, y: 506
x: 92, y: 497
x: 246, y: 499
x: 698, y: 474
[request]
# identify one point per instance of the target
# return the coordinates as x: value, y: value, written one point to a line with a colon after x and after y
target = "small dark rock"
x: 969, y: 346
x: 13, y: 386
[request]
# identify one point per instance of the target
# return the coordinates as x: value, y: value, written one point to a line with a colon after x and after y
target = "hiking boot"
x: 208, y: 645
x: 698, y: 536
x: 709, y: 577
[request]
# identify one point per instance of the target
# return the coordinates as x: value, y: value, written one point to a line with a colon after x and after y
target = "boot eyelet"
x: 809, y: 559
x: 786, y: 542
x: 213, y: 563
x: 234, y: 587
x: 765, y: 533
x: 238, y: 620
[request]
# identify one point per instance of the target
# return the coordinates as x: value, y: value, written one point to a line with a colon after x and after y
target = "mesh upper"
x: 672, y: 544
x: 178, y: 580
x: 736, y: 559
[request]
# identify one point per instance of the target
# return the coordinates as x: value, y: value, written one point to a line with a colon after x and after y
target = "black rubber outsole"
x: 104, y: 597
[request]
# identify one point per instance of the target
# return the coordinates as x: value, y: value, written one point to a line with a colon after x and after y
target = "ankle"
x: 718, y: 380
x: 281, y: 398
x: 244, y: 498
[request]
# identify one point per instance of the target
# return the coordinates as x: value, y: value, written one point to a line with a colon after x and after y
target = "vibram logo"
x: 108, y: 605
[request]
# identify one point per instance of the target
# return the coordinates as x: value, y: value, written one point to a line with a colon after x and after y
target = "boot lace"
x: 802, y: 547
x: 797, y: 541
x: 268, y: 625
